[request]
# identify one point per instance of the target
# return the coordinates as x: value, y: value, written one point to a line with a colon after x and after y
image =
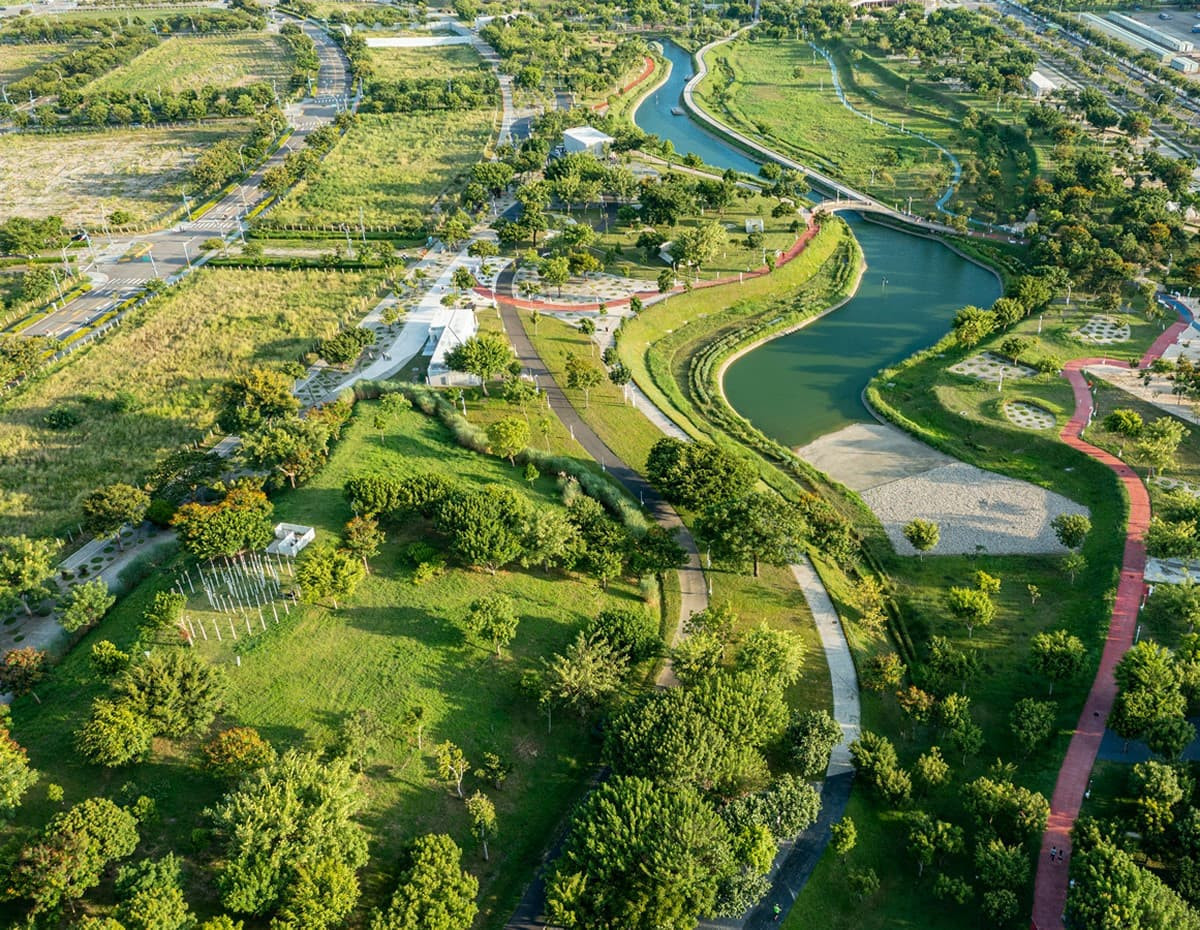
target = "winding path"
x: 1050, y: 885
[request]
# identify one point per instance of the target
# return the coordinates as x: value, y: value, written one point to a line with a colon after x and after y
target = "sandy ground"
x: 901, y: 479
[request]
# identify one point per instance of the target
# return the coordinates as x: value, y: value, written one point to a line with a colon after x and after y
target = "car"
x: 1164, y: 15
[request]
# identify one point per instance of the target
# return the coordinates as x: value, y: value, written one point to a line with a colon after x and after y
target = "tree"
x: 295, y: 447
x: 434, y: 892
x: 21, y: 671
x: 1157, y: 792
x: 555, y: 272
x: 241, y: 521
x: 663, y: 858
x: 494, y: 618
x: 697, y: 474
x: 1057, y: 655
x: 16, y: 777
x: 86, y: 604
x: 1014, y: 813
x: 236, y: 752
x: 255, y: 398
x: 362, y: 537
x: 756, y: 527
x: 1073, y: 563
x: 883, y: 672
x: 150, y: 896
x: 931, y: 769
x: 666, y: 280
x: 108, y: 509
x: 508, y: 436
x: 72, y: 852
x: 115, y: 734
x: 922, y: 535
x: 774, y: 654
x: 972, y: 606
x: 295, y: 812
x: 483, y: 819
x: 322, y: 896
x: 813, y: 736
x: 1159, y: 441
x: 328, y: 571
x: 178, y: 692
x: 843, y: 836
x: 486, y: 526
x: 452, y: 765
x: 972, y: 324
x: 1112, y: 890
x: 25, y: 567
x: 588, y: 672
x: 1032, y: 722
x: 929, y: 839
x: 1071, y: 529
x: 483, y: 355
x: 582, y: 375
x: 632, y: 631
x: 656, y: 552
x: 165, y: 611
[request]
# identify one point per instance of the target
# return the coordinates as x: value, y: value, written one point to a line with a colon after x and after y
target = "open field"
x: 390, y: 166
x: 161, y: 367
x: 17, y: 61
x: 392, y: 646
x: 181, y: 63
x: 442, y: 61
x: 85, y: 176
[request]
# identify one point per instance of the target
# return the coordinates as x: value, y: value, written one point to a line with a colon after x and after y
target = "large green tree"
x: 254, y: 398
x: 434, y: 892
x: 115, y: 734
x: 176, y: 690
x: 85, y: 605
x: 484, y: 356
x: 697, y: 474
x: 25, y: 567
x: 109, y: 508
x: 758, y: 527
x: 329, y: 572
x: 640, y: 856
x: 486, y: 526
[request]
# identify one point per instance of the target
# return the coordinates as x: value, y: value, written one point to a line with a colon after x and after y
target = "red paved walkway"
x: 646, y: 72
x: 1050, y: 887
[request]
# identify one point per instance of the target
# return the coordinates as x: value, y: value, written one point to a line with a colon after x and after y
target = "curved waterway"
x: 809, y: 383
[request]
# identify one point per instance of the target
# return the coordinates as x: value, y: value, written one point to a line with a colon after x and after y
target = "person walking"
x: 776, y: 910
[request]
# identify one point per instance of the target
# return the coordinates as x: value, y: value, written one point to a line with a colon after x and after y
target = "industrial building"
x: 1186, y: 65
x: 1139, y: 45
x: 1157, y: 36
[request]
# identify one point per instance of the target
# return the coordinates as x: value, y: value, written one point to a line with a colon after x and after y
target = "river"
x: 809, y: 383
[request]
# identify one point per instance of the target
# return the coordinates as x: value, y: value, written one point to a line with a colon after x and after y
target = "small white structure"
x: 449, y: 328
x: 1186, y: 65
x: 754, y: 224
x: 586, y: 139
x: 1039, y: 85
x: 290, y: 539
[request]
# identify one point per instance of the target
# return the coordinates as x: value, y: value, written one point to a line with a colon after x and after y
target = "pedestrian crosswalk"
x: 213, y: 224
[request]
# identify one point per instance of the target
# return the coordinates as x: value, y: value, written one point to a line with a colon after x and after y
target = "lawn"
x: 85, y: 176
x: 779, y: 92
x: 393, y: 64
x: 391, y: 167
x: 149, y: 387
x: 18, y: 61
x: 394, y: 645
x: 182, y: 63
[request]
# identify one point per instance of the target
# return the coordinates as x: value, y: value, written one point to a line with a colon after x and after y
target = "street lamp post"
x: 153, y: 263
x: 187, y: 258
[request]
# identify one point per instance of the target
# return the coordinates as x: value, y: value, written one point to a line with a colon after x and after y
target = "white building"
x: 1039, y: 85
x: 586, y: 139
x: 290, y: 538
x: 449, y: 328
x: 1186, y: 65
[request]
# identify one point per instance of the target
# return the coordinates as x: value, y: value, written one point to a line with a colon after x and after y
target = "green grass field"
x: 389, y: 166
x: 443, y: 61
x: 181, y: 63
x: 166, y: 360
x: 393, y: 645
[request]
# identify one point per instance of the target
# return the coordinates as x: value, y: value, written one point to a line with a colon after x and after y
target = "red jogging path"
x: 1050, y: 886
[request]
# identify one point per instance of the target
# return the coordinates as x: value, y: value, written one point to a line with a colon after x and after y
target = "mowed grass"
x: 782, y: 95
x: 85, y: 176
x: 443, y: 61
x: 18, y: 61
x: 182, y: 63
x: 166, y: 361
x: 387, y: 166
x: 392, y: 646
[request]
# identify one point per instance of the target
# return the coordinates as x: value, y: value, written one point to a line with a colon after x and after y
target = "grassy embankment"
x: 181, y: 63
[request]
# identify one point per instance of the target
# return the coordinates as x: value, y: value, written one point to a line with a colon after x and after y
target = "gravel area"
x: 901, y: 479
x: 976, y: 510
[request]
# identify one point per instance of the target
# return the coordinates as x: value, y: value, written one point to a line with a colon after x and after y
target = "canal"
x: 809, y: 383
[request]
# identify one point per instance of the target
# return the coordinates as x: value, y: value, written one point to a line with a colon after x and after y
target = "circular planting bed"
x: 1102, y: 330
x: 1028, y: 416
